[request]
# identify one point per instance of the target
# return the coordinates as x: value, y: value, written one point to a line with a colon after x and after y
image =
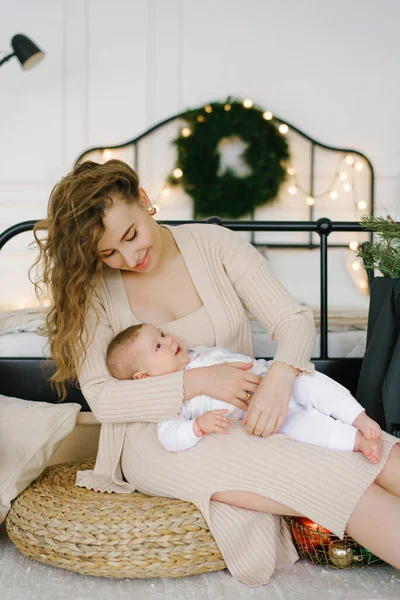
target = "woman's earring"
x: 152, y: 210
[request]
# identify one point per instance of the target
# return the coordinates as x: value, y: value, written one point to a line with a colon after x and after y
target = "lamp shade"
x: 26, y: 51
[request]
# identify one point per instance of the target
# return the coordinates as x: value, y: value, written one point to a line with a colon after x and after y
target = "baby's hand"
x: 368, y: 427
x: 213, y: 421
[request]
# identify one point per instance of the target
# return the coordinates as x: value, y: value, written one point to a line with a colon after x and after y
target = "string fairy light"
x: 177, y: 173
x: 342, y: 179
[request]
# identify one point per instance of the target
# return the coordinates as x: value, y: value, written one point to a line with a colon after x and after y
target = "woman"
x: 109, y: 264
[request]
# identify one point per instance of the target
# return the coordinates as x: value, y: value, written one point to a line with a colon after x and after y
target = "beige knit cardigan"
x: 232, y: 279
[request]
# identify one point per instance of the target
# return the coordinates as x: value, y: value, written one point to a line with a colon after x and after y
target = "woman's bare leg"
x: 389, y: 477
x: 253, y: 501
x: 374, y: 523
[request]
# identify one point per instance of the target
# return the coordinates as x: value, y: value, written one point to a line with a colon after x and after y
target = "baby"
x: 321, y: 411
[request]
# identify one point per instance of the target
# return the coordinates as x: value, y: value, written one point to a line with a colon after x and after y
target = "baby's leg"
x: 326, y: 396
x: 311, y: 427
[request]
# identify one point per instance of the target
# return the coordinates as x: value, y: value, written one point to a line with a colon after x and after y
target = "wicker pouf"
x: 110, y: 535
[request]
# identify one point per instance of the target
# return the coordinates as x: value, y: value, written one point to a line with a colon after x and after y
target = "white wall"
x: 112, y: 69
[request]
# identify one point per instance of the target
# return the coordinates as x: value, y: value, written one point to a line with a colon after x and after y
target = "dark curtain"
x: 379, y: 383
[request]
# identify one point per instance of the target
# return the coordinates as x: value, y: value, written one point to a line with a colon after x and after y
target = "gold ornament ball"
x: 341, y: 555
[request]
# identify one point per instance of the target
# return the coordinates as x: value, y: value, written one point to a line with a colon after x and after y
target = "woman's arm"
x: 151, y: 399
x: 289, y: 324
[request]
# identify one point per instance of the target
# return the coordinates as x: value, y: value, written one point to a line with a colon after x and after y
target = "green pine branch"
x: 384, y: 253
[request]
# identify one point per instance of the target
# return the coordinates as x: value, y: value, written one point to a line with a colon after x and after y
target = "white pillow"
x: 30, y: 433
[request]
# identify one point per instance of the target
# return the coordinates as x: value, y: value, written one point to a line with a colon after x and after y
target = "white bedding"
x: 340, y: 344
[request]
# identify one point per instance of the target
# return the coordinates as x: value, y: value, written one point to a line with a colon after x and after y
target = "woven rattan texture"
x: 110, y: 535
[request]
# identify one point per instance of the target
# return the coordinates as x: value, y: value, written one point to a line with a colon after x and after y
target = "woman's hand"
x: 269, y: 405
x: 230, y: 382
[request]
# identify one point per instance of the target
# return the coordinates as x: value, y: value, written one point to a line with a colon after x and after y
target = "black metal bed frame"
x: 27, y: 378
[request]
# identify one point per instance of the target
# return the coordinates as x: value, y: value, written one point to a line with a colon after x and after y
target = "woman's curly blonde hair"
x: 69, y: 266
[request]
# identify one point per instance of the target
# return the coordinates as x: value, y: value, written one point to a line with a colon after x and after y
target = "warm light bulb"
x: 310, y: 201
x: 291, y: 170
x: 201, y: 118
x: 356, y: 265
x: 292, y: 189
x: 353, y: 245
x: 349, y: 160
x: 177, y: 173
x: 247, y: 103
x: 359, y: 166
x: 343, y: 176
x: 283, y: 128
x: 208, y: 108
x: 333, y: 195
x: 268, y: 115
x: 361, y: 205
x: 363, y: 284
x: 107, y: 154
x: 165, y: 192
x: 186, y: 132
x: 347, y: 187
x: 227, y: 107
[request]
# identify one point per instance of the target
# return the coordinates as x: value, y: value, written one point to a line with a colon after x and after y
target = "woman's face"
x: 132, y: 239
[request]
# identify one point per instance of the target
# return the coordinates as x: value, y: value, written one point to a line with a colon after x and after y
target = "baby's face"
x: 159, y: 354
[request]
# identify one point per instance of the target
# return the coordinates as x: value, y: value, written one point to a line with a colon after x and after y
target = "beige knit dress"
x: 323, y: 485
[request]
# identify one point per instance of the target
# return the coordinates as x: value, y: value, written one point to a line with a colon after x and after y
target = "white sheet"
x: 340, y: 344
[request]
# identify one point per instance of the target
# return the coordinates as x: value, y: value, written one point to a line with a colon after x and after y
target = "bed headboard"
x: 321, y: 180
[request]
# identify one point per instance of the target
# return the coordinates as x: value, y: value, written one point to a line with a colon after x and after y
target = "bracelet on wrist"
x: 198, y: 426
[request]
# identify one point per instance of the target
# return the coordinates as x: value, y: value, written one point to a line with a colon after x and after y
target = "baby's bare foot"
x: 370, y: 448
x: 368, y: 427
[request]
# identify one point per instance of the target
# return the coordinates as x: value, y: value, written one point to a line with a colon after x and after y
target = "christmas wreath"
x: 198, y: 159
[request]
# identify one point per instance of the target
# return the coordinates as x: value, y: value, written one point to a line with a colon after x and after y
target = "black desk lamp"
x: 25, y: 50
